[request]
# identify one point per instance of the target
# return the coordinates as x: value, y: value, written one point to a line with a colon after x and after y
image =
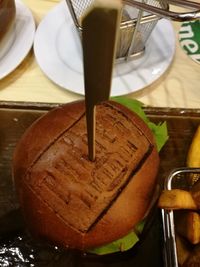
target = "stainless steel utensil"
x: 100, y: 28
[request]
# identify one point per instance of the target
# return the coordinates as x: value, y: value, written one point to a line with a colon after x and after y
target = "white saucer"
x: 22, y: 36
x: 58, y: 52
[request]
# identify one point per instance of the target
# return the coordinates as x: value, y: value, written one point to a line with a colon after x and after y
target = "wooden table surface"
x: 178, y: 87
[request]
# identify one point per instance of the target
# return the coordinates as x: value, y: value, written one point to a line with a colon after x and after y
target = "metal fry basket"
x: 135, y: 26
x: 139, y: 17
x: 181, y: 178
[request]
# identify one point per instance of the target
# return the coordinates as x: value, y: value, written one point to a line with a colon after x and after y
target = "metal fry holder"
x: 139, y: 17
x: 180, y: 178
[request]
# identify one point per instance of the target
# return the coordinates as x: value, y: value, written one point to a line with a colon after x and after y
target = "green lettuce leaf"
x: 161, y: 136
x: 159, y: 130
x: 121, y: 244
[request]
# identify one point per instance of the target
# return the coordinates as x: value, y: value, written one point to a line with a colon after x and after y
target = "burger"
x: 81, y: 204
x: 7, y: 21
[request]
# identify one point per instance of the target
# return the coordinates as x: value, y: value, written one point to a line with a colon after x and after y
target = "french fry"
x: 176, y: 199
x: 183, y: 249
x: 196, y: 193
x: 187, y: 206
x: 193, y: 156
x: 194, y: 259
x: 188, y: 225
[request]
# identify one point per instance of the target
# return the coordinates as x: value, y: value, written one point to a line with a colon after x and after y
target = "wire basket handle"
x: 193, y: 7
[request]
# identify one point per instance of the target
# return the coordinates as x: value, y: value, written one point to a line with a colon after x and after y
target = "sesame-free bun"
x: 72, y: 201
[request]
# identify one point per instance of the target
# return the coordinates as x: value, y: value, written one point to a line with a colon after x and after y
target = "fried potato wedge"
x: 188, y: 225
x: 183, y: 249
x: 195, y: 191
x: 193, y: 156
x: 176, y: 199
x: 194, y: 258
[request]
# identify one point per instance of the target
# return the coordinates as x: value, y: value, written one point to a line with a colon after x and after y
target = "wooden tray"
x: 19, y: 249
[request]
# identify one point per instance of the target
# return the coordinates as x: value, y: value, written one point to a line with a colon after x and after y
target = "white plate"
x: 22, y: 36
x: 58, y: 52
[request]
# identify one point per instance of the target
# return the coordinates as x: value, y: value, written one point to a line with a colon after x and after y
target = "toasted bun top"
x: 75, y: 202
